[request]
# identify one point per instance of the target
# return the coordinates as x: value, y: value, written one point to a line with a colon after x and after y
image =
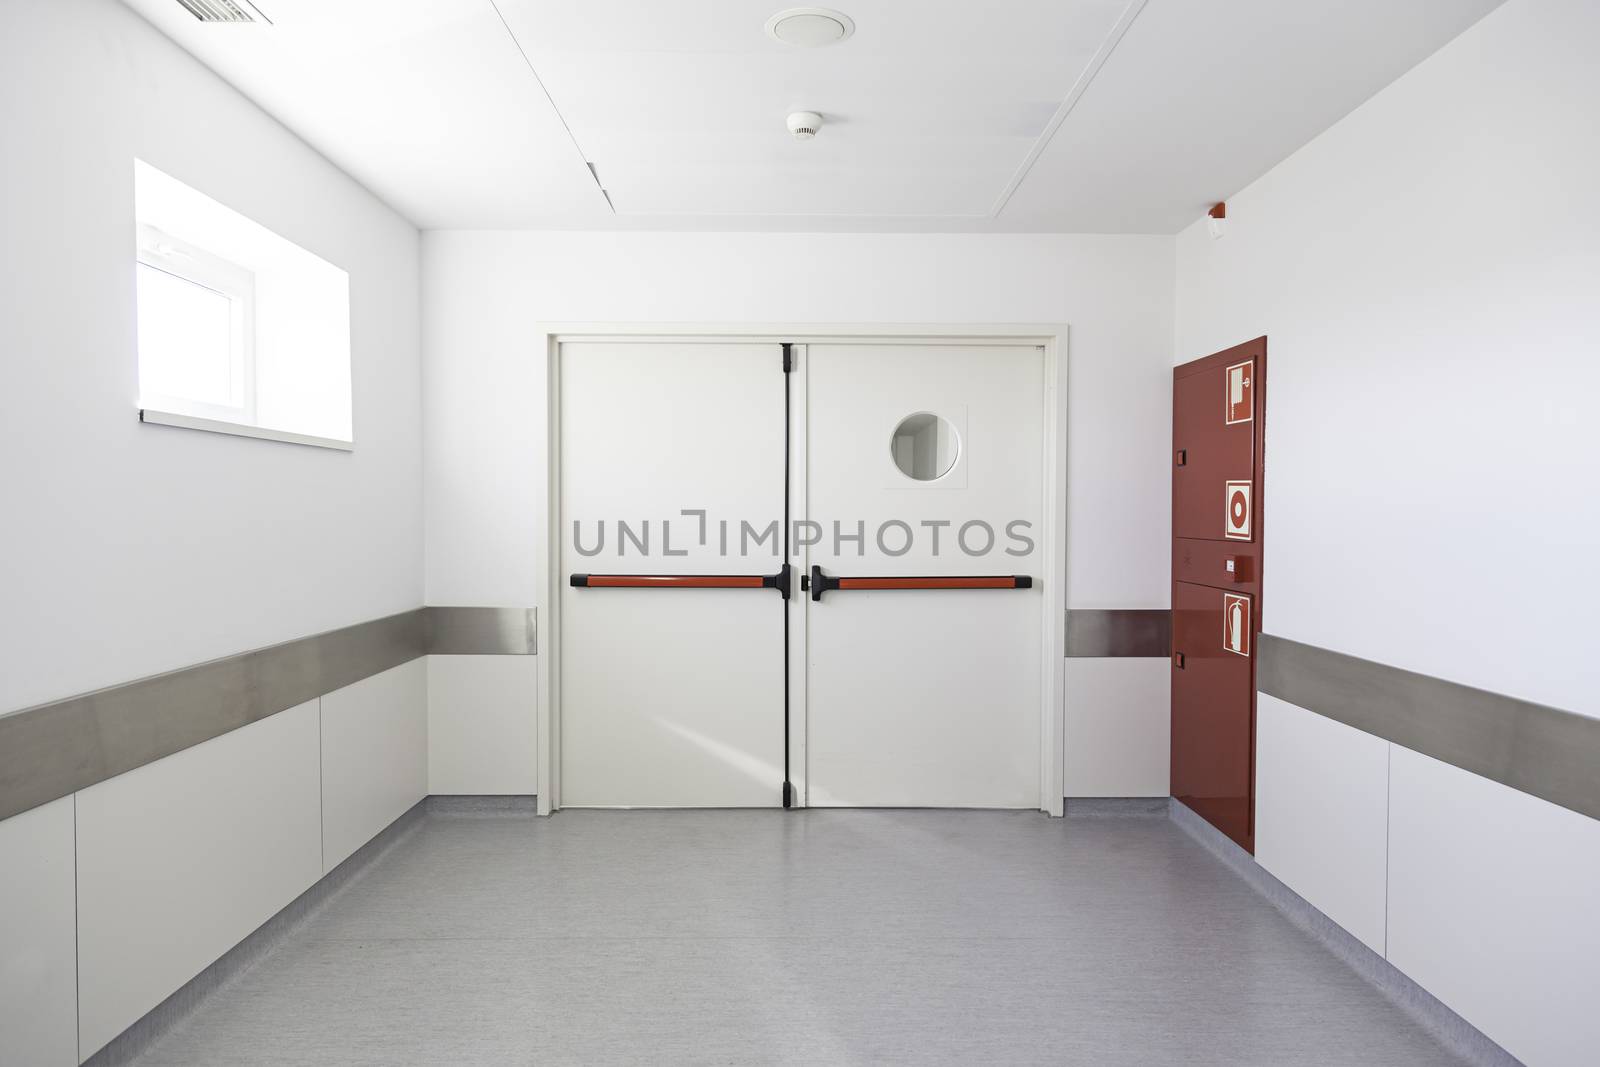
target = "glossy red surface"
x: 1216, y: 453
x: 1212, y: 723
x: 1213, y: 692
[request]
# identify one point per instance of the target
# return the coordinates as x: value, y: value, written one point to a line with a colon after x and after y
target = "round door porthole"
x: 924, y: 446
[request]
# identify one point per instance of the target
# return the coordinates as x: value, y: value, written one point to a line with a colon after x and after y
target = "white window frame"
x: 182, y: 259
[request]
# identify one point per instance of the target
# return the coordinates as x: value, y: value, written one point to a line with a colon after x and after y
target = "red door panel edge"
x: 1218, y: 430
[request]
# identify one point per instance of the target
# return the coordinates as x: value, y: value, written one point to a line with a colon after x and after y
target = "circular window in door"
x: 925, y: 446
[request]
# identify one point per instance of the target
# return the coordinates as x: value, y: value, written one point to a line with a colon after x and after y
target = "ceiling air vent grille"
x: 221, y: 10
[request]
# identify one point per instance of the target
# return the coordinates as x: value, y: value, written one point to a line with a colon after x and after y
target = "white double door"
x: 894, y: 461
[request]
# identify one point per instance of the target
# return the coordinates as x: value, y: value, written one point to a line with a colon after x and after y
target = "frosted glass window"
x: 240, y: 330
x: 192, y: 344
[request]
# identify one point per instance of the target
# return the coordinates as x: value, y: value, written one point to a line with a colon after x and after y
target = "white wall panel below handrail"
x: 180, y: 859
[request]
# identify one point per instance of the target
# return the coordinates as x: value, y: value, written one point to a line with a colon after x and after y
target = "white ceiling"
x: 1123, y: 116
x: 929, y: 109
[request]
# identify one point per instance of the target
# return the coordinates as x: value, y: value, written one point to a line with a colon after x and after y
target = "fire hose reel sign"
x: 1239, y: 403
x: 1236, y: 517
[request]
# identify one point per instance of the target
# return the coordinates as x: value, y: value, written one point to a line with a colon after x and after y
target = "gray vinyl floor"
x: 818, y: 937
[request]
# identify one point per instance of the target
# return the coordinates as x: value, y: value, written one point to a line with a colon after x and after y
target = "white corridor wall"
x: 138, y: 549
x: 1426, y: 273
x: 484, y: 394
x: 127, y: 550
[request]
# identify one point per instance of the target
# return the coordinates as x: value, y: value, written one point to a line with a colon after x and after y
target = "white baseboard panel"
x: 38, y: 938
x: 1492, y: 897
x: 483, y: 736
x: 1322, y: 805
x: 1456, y: 1033
x: 160, y: 1020
x: 374, y: 756
x: 180, y: 859
x: 1118, y: 731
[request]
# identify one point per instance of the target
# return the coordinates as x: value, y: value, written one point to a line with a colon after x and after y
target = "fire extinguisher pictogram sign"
x: 1236, y: 623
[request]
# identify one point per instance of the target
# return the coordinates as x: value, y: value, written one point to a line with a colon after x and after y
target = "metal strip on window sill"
x: 237, y: 429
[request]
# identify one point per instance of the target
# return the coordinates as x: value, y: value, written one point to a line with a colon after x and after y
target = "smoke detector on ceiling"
x: 810, y: 27
x: 804, y: 125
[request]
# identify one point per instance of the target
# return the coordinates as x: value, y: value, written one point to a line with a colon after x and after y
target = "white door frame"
x: 1052, y: 338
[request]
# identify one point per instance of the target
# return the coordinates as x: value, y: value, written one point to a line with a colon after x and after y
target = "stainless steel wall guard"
x: 1548, y: 752
x: 55, y: 749
x: 1093, y: 633
x: 481, y: 631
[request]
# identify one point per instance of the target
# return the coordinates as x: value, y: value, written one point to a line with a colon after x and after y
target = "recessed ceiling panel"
x: 937, y: 114
x: 427, y: 103
x: 929, y: 108
x: 1200, y: 99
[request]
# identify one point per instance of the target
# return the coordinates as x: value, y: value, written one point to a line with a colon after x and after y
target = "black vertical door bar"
x: 788, y: 369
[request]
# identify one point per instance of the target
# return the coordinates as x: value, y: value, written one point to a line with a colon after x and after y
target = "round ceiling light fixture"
x: 810, y: 27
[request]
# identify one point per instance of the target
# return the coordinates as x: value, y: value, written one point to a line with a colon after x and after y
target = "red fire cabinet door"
x: 1211, y: 705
